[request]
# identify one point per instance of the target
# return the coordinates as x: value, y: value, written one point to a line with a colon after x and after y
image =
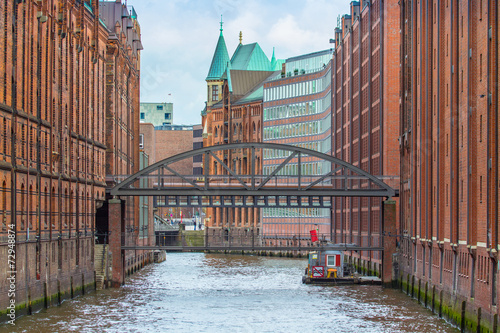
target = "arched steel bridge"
x: 287, y: 183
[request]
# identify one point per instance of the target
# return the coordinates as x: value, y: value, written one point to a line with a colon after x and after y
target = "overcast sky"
x: 179, y: 39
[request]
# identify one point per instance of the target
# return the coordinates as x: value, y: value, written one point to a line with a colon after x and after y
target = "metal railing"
x: 249, y: 240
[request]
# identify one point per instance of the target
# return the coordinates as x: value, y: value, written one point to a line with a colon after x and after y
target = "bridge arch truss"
x: 285, y: 182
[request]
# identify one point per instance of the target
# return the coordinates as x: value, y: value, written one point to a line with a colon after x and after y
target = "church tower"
x: 219, y: 64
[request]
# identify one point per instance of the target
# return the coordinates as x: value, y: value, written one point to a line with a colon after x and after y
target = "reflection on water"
x: 197, y: 292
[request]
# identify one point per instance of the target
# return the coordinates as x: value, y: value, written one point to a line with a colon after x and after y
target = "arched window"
x: 3, y: 205
x: 32, y: 217
x: 45, y: 207
x: 66, y: 208
x: 4, y: 144
x: 22, y: 207
x: 245, y: 166
x: 70, y: 213
x: 53, y: 209
x: 216, y: 132
x: 88, y: 207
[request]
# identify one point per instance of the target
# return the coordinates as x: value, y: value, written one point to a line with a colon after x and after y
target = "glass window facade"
x: 308, y: 63
x: 307, y: 125
x: 303, y: 88
x: 314, y: 106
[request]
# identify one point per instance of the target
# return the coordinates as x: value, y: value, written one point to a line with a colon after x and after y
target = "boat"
x: 327, y: 267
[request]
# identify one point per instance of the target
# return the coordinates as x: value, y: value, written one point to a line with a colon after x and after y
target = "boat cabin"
x: 325, y: 264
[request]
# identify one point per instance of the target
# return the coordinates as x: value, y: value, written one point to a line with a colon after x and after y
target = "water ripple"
x: 196, y: 292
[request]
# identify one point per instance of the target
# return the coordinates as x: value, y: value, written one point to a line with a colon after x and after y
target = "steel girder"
x: 164, y: 180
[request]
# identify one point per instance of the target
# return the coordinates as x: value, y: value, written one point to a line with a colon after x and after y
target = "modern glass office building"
x: 297, y: 111
x: 158, y: 114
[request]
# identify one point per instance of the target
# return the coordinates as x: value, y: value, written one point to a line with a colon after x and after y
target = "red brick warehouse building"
x: 449, y: 158
x: 55, y: 59
x: 234, y: 114
x: 365, y: 116
x: 161, y: 142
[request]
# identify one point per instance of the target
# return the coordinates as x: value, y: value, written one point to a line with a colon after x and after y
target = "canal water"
x: 197, y: 292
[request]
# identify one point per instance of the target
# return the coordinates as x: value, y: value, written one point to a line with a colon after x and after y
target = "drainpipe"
x: 13, y: 193
x: 438, y: 126
x: 496, y: 128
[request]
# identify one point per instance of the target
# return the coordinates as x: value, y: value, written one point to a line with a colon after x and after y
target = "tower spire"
x: 221, y: 24
x: 273, y: 62
x: 220, y: 58
x: 241, y: 36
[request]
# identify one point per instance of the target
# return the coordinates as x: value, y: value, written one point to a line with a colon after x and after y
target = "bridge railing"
x: 277, y: 181
x: 249, y: 240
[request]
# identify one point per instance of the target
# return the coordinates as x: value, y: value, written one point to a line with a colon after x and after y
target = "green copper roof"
x: 273, y: 61
x: 227, y: 75
x: 220, y: 59
x: 250, y: 57
x: 276, y: 64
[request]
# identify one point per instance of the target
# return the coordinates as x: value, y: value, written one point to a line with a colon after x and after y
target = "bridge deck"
x: 252, y: 248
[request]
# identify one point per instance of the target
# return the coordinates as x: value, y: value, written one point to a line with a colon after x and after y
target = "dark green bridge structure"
x: 171, y: 186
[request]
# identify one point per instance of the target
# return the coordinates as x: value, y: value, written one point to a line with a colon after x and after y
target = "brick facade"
x: 52, y: 174
x: 122, y: 107
x: 233, y: 121
x: 169, y: 143
x: 365, y: 114
x: 449, y: 157
x: 55, y: 70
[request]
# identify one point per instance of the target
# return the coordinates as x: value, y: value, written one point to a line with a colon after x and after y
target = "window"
x: 143, y: 116
x: 481, y: 189
x: 141, y: 141
x: 481, y: 67
x: 447, y: 195
x: 446, y: 144
x: 462, y: 191
x: 480, y: 128
x: 167, y: 116
x: 462, y: 80
x: 462, y: 135
x: 333, y: 260
x: 462, y: 26
x: 215, y: 93
x: 159, y: 107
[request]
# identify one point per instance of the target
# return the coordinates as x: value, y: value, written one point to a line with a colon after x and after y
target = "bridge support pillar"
x: 115, y: 220
x: 389, y: 225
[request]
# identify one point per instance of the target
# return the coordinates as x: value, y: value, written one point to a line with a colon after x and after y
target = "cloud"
x: 288, y: 34
x: 179, y: 38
